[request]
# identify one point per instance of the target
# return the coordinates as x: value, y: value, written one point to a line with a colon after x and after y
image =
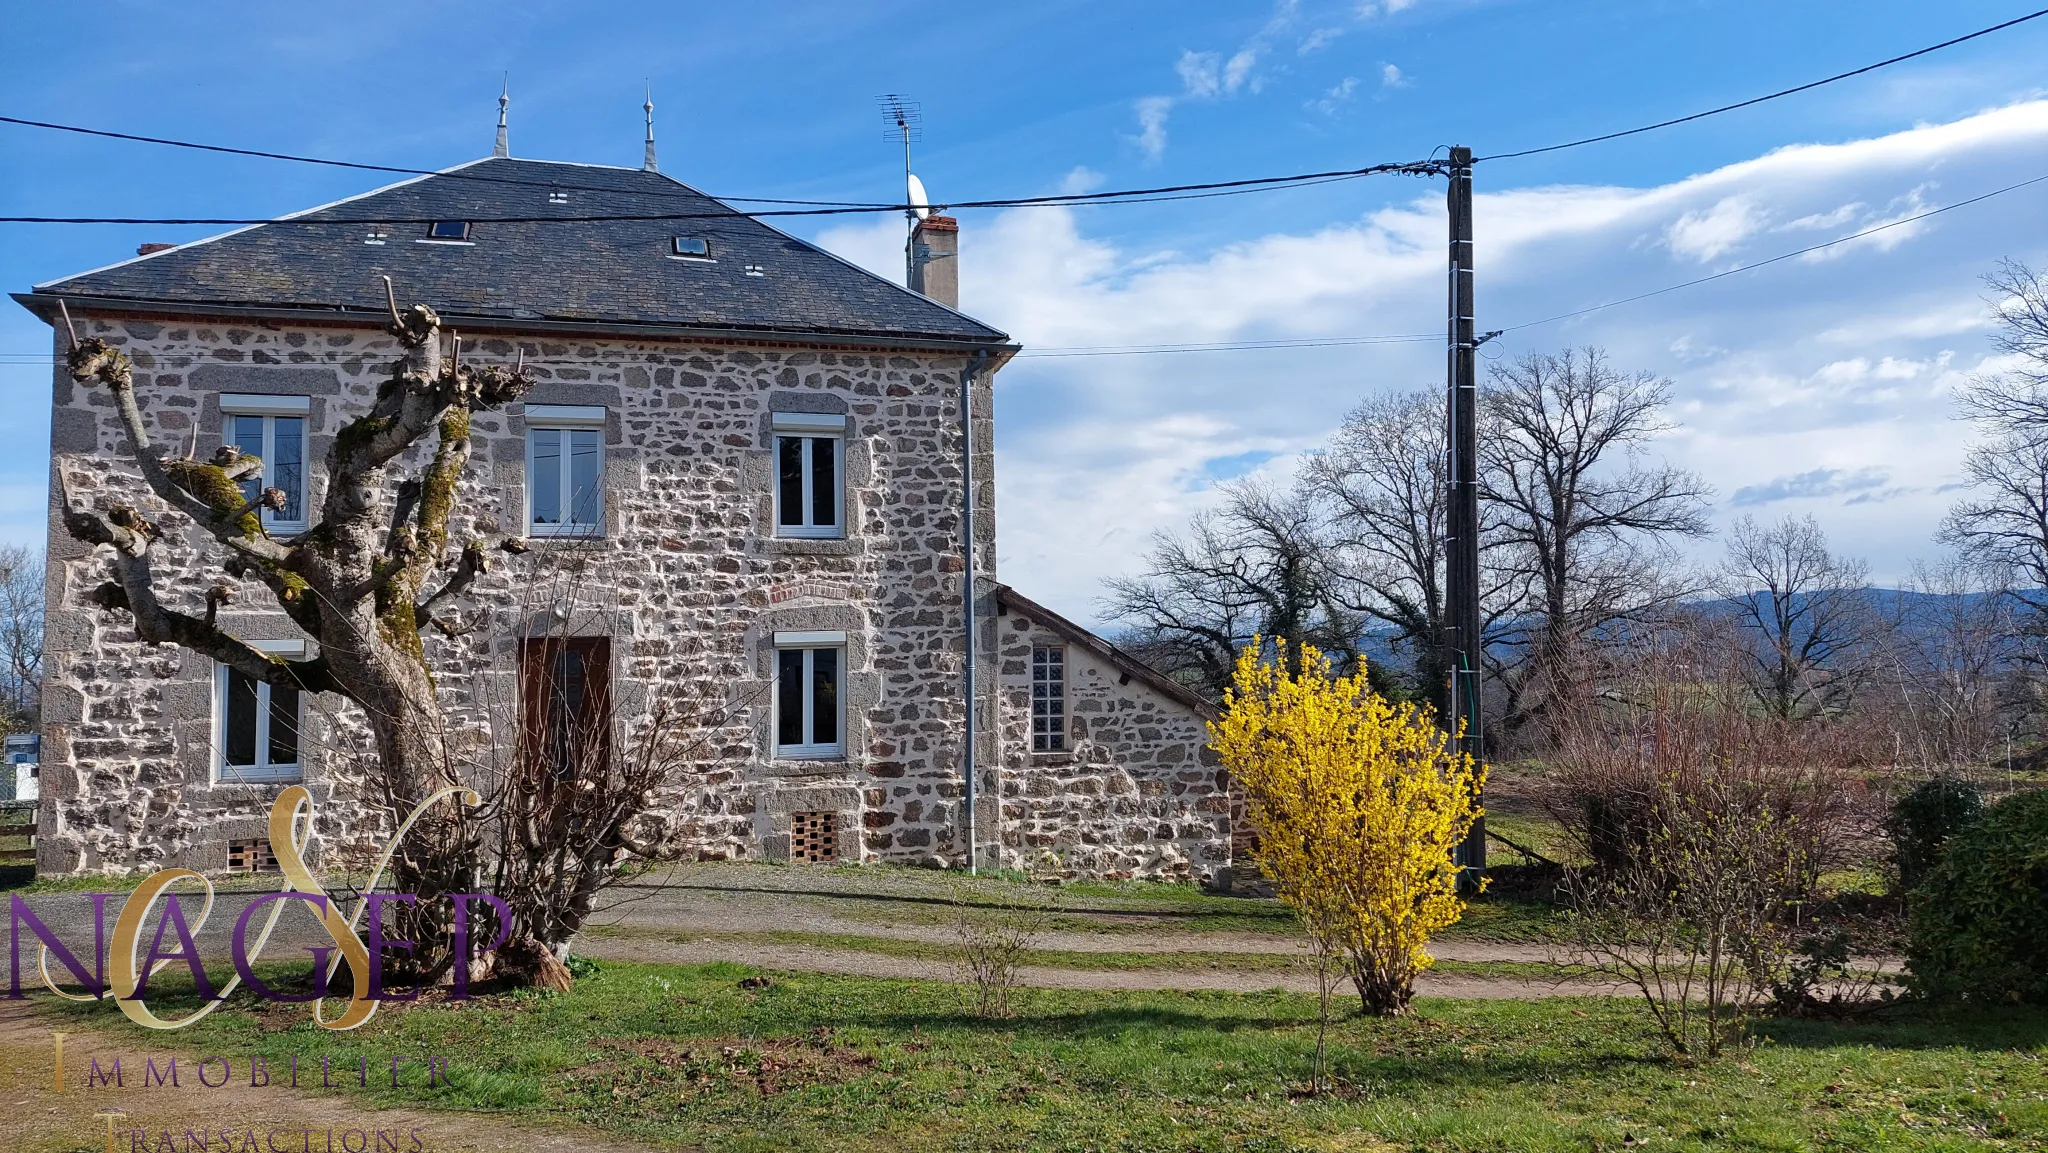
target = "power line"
x: 1228, y: 345
x: 1120, y: 196
x: 840, y: 207
x: 552, y: 186
x: 1772, y: 96
x: 1782, y: 256
x: 38, y: 358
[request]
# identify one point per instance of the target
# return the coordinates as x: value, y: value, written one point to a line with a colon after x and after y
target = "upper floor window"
x: 1048, y: 699
x: 564, y: 470
x: 810, y: 470
x: 273, y: 428
x: 809, y: 706
x: 256, y: 724
x: 692, y: 248
x: 448, y: 230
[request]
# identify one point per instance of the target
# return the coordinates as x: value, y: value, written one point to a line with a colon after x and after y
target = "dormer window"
x: 448, y: 230
x: 692, y: 248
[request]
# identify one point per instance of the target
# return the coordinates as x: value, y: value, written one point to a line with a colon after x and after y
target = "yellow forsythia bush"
x: 1358, y: 806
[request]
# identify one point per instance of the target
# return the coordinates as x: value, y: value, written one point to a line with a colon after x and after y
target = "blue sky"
x: 1815, y: 386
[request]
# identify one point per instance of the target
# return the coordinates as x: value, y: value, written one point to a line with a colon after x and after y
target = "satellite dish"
x: 919, y: 202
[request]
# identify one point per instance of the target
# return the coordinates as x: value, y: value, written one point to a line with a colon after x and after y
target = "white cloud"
x: 1338, y: 95
x: 1152, y: 112
x: 1082, y: 179
x: 1390, y: 77
x: 1198, y: 74
x: 1319, y: 39
x: 1821, y: 370
x: 1894, y: 222
x: 1706, y: 235
x: 1239, y: 70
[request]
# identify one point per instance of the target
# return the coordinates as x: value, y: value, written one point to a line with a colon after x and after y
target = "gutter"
x: 1000, y: 350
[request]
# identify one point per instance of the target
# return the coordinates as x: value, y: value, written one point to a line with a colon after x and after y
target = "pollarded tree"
x: 357, y: 580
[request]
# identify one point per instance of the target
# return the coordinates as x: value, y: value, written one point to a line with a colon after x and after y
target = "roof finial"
x: 504, y: 99
x: 650, y: 165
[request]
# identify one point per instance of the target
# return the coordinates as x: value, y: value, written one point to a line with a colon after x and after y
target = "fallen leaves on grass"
x: 765, y: 1066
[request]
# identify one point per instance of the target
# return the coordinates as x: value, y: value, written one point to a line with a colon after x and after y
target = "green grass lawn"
x: 682, y: 1054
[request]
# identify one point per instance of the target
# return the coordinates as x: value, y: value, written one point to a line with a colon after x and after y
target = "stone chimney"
x: 934, y: 254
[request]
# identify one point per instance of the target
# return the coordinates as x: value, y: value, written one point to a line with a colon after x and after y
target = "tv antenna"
x: 905, y: 119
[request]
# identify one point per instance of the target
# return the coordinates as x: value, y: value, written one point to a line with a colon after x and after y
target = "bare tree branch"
x: 1576, y: 516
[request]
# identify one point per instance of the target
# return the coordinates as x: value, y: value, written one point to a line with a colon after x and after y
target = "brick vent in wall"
x: 252, y: 856
x: 814, y: 837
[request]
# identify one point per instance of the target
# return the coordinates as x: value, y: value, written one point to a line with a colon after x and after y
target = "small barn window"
x: 448, y: 230
x: 692, y: 247
x: 1048, y: 699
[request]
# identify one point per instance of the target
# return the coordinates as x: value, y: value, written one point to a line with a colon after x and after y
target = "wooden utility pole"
x: 1462, y: 427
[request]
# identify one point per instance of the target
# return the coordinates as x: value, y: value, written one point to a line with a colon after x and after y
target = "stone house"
x: 742, y: 472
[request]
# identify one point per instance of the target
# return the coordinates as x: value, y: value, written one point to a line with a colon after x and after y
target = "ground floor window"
x: 566, y: 703
x: 809, y: 705
x: 256, y: 724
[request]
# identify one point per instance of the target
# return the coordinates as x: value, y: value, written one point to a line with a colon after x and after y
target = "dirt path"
x: 731, y: 909
x: 34, y: 1118
x: 858, y: 963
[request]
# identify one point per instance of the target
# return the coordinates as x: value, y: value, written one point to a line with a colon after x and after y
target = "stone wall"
x: 1137, y: 793
x: 688, y: 580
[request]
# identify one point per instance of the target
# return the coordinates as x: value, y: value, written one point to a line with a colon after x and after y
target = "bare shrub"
x: 1326, y: 963
x: 993, y: 943
x: 580, y: 769
x: 1675, y: 722
x: 1707, y: 822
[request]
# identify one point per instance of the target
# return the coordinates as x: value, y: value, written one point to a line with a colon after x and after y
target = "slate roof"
x: 606, y: 274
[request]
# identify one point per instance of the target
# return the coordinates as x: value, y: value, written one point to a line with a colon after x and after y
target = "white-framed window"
x: 274, y: 428
x: 1048, y: 699
x: 256, y: 726
x: 810, y: 704
x: 810, y: 473
x: 564, y: 470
